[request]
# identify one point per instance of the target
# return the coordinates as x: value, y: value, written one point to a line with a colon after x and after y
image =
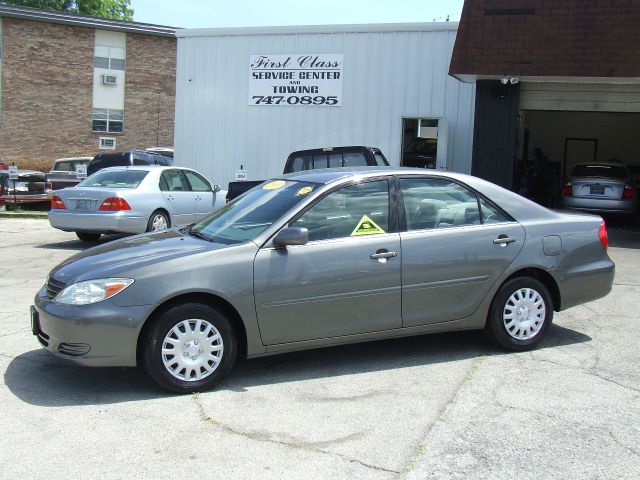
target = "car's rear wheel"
x: 88, y: 237
x: 520, y: 314
x: 190, y: 348
x: 158, y: 220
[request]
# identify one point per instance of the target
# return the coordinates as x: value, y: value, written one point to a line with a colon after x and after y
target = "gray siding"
x: 389, y: 73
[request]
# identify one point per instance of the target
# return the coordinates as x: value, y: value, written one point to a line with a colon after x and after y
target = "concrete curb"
x: 24, y: 215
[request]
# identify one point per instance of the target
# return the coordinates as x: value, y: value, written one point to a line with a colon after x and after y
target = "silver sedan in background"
x: 605, y: 188
x: 134, y: 200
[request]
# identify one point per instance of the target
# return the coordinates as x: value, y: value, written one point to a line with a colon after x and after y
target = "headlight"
x: 92, y: 291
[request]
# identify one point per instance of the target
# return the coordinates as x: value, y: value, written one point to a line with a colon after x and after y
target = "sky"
x: 259, y: 13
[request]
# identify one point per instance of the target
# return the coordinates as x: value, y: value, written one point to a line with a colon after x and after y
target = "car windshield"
x: 115, y: 179
x: 251, y: 214
x: 607, y: 171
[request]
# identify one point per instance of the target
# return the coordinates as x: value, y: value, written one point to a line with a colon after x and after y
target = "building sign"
x: 296, y: 79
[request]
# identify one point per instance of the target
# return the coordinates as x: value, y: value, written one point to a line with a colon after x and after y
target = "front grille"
x: 74, y: 349
x: 54, y: 287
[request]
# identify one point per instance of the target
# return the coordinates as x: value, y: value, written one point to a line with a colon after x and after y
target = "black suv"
x: 125, y: 159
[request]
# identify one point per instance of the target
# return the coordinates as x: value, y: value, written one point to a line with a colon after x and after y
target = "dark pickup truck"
x: 329, y: 157
x: 63, y: 173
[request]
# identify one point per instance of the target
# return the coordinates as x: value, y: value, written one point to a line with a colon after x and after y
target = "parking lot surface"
x: 439, y: 406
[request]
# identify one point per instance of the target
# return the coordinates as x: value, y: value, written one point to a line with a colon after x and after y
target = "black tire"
x: 518, y: 335
x: 153, y: 358
x: 88, y: 237
x: 152, y: 221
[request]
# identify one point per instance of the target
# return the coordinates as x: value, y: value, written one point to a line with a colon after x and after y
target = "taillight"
x: 56, y: 202
x: 602, y: 235
x: 115, y: 203
x: 567, y: 191
x: 629, y: 192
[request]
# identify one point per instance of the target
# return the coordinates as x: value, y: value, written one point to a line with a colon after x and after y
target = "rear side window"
x: 174, y: 181
x: 381, y: 161
x: 115, y: 179
x: 140, y: 159
x: 434, y: 203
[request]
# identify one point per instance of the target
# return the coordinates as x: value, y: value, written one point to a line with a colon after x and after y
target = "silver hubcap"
x: 159, y: 223
x: 192, y: 350
x: 524, y: 314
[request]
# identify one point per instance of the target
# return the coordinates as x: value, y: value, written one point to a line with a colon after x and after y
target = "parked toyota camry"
x: 134, y: 200
x: 322, y: 258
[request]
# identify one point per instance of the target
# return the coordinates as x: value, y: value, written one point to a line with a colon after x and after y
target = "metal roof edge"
x: 472, y: 78
x: 37, y: 15
x: 302, y: 29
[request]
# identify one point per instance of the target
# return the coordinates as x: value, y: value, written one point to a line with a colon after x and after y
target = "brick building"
x: 561, y: 76
x: 72, y: 84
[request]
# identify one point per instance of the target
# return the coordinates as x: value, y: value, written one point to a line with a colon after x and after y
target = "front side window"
x: 198, y: 182
x: 107, y: 120
x: 361, y: 209
x: 436, y: 203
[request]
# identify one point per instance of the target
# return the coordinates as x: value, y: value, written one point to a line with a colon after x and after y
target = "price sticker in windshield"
x: 274, y: 185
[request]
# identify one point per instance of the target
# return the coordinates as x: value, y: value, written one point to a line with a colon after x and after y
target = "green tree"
x: 114, y: 9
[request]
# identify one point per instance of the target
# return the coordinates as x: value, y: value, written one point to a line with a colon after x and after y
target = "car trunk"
x: 87, y: 199
x: 597, y: 187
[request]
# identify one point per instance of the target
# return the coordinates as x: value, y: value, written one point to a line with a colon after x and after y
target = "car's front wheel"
x: 88, y: 237
x: 520, y: 314
x: 190, y: 348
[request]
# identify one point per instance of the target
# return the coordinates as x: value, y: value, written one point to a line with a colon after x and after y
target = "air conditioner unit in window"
x: 109, y: 79
x: 107, y: 143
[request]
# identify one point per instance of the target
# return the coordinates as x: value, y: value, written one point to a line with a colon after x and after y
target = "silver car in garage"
x: 604, y: 188
x: 321, y: 258
x: 134, y: 200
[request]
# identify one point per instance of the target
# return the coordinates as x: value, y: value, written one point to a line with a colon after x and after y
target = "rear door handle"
x: 503, y: 240
x: 169, y: 197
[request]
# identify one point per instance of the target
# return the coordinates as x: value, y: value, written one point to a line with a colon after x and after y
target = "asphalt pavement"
x: 443, y: 406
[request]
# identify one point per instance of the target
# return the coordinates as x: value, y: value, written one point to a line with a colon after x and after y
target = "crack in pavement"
x: 587, y: 372
x: 616, y: 440
x: 261, y: 438
x: 421, y: 448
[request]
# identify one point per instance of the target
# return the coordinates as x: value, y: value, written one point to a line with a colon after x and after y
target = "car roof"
x: 72, y: 158
x: 148, y: 168
x: 328, y: 150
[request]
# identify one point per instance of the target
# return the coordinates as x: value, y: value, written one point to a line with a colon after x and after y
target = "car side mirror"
x: 216, y: 188
x: 291, y: 236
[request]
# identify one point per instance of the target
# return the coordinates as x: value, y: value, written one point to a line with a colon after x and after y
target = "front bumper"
x: 102, y: 334
x: 102, y: 222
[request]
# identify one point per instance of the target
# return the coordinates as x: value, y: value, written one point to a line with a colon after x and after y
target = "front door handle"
x: 503, y: 240
x: 383, y: 255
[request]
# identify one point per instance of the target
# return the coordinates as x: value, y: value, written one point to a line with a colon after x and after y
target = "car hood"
x: 122, y: 258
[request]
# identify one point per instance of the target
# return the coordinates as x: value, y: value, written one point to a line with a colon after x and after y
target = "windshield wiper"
x: 187, y: 228
x: 199, y: 234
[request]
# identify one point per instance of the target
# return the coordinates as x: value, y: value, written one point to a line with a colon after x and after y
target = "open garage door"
x: 561, y: 125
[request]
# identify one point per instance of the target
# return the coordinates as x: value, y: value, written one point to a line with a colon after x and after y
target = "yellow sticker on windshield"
x: 366, y: 226
x: 274, y: 185
x: 304, y: 191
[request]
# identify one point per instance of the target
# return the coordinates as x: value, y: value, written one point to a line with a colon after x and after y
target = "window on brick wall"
x: 107, y: 120
x: 111, y: 58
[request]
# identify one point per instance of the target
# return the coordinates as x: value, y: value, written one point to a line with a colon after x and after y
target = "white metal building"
x: 250, y: 96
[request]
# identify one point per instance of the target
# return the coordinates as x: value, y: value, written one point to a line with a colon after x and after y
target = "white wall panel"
x: 389, y: 72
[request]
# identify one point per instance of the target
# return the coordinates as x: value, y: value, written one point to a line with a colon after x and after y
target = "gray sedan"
x: 134, y: 200
x: 322, y: 258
